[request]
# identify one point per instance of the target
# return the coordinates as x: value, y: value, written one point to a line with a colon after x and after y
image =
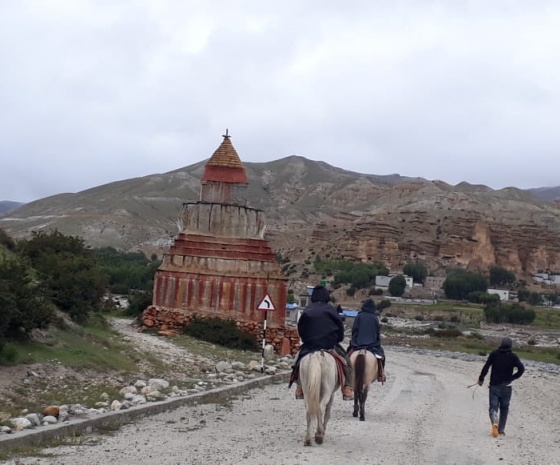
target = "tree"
x: 397, y: 285
x: 500, y: 276
x: 68, y: 270
x: 504, y: 313
x: 23, y: 305
x: 417, y: 270
x: 460, y: 283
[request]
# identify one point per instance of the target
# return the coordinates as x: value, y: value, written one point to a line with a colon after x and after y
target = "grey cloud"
x: 95, y: 92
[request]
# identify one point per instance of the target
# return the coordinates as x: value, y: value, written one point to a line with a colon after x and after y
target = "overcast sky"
x: 98, y: 91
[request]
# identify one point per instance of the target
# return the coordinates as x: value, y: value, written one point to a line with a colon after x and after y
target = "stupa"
x: 220, y: 265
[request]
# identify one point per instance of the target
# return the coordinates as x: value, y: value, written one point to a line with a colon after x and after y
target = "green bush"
x: 478, y: 336
x: 419, y: 317
x: 513, y: 314
x: 8, y: 354
x: 385, y: 303
x: 447, y: 333
x: 397, y: 285
x: 221, y: 332
x: 351, y: 291
x: 460, y: 283
x: 138, y: 302
x: 417, y: 270
x: 68, y: 271
x: 500, y: 276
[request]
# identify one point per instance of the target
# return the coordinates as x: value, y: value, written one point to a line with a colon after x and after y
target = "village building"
x: 503, y: 294
x: 434, y: 282
x: 220, y: 265
x: 382, y: 282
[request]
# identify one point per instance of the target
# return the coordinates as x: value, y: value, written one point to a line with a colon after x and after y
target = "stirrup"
x: 299, y: 393
x: 347, y: 397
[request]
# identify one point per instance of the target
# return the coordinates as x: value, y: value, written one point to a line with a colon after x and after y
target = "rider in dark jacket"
x: 320, y: 327
x: 366, y: 333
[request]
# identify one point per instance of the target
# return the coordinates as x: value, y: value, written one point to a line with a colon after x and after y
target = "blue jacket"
x: 366, y: 331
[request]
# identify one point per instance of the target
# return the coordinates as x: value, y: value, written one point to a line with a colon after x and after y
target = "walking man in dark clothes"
x: 503, y: 362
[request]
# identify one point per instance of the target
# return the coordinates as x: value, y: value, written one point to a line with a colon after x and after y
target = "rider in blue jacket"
x: 366, y: 334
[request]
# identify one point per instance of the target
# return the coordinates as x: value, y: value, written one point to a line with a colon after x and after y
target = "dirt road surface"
x: 424, y: 414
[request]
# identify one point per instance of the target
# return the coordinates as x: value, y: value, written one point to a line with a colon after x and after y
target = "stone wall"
x: 284, y: 338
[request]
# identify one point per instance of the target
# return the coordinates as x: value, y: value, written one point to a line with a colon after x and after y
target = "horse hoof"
x: 319, y: 440
x: 307, y: 442
x: 354, y: 414
x: 362, y: 418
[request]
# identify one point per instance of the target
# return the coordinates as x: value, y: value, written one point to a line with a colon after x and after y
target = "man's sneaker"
x: 347, y: 393
x: 299, y: 392
x: 495, y: 430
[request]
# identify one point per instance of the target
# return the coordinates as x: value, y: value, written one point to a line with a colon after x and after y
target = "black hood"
x: 506, y: 344
x: 368, y: 306
x: 320, y: 294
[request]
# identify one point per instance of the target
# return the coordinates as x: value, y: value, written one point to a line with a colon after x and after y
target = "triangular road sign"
x: 266, y: 303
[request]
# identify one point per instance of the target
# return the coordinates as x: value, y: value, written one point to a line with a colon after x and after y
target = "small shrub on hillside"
x: 532, y: 342
x: 478, y: 336
x: 419, y: 317
x: 221, y: 332
x: 454, y: 319
x: 8, y: 354
x: 351, y: 291
x: 438, y: 318
x: 447, y: 333
x: 384, y: 304
x: 138, y: 302
x: 384, y: 320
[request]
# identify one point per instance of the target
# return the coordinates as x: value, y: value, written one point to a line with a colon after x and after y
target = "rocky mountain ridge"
x: 314, y: 209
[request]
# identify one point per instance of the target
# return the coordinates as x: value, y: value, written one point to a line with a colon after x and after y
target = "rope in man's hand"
x: 475, y: 384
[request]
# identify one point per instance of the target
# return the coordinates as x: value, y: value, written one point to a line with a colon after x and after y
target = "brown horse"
x: 319, y: 380
x: 365, y: 372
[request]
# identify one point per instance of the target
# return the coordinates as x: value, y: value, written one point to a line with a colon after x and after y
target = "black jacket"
x: 366, y: 331
x: 319, y: 327
x: 503, y: 361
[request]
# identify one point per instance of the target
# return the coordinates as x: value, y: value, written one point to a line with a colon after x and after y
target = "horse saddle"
x: 340, y: 364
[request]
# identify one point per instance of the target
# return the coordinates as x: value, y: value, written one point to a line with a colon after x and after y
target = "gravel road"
x: 424, y: 414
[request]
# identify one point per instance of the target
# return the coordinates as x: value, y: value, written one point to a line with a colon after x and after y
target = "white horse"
x: 319, y: 380
x: 366, y: 371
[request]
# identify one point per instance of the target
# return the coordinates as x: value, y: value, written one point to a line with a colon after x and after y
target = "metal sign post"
x: 266, y: 305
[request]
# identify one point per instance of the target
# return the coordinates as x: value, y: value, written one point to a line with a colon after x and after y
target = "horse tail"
x: 359, y: 372
x: 313, y: 394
